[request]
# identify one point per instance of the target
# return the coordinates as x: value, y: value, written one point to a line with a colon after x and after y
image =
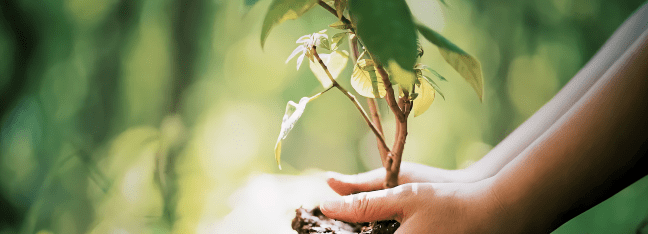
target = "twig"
x: 371, y: 102
x: 353, y: 99
x: 391, y: 100
x: 391, y: 160
x: 334, y: 12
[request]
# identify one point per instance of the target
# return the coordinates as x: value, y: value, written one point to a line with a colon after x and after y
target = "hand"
x: 409, y: 173
x: 425, y: 208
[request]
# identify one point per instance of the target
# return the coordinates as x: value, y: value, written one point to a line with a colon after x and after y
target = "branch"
x: 353, y: 99
x: 390, y: 98
x: 373, y: 108
x: 334, y: 12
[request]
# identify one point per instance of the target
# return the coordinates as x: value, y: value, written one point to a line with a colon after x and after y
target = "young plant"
x: 384, y: 46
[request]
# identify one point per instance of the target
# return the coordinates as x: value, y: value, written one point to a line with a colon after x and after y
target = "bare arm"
x: 535, y: 126
x: 593, y: 151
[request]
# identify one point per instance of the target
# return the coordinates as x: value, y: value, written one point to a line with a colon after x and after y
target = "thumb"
x: 350, y: 184
x: 366, y: 207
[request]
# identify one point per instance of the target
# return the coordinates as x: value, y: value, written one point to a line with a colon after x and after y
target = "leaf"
x: 366, y: 81
x: 336, y: 40
x: 282, y: 10
x: 467, y: 66
x: 406, y: 79
x: 340, y: 25
x: 339, y: 7
x: 299, y: 48
x: 300, y: 59
x: 426, y: 67
x: 335, y: 63
x: 424, y: 100
x: 293, y: 112
x: 386, y: 29
x: 434, y: 85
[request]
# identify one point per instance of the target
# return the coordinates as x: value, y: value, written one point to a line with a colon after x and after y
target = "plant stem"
x: 389, y: 97
x: 371, y: 102
x: 391, y: 160
x: 334, y: 12
x: 353, y: 99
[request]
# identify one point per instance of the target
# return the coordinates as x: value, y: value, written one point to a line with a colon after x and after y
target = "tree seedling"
x: 383, y: 41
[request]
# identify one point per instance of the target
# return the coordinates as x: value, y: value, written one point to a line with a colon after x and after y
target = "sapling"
x: 383, y: 41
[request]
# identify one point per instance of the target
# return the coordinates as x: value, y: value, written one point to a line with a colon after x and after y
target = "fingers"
x: 349, y: 184
x: 370, y: 206
x: 373, y: 180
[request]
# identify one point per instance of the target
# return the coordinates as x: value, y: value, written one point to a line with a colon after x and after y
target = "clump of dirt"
x: 313, y: 221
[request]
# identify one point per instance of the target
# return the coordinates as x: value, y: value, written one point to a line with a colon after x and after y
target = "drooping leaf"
x: 339, y: 7
x: 282, y: 10
x: 335, y: 63
x: 386, y: 29
x: 300, y: 59
x: 424, y: 98
x: 293, y: 112
x: 434, y: 85
x: 299, y: 48
x: 336, y: 40
x: 340, y: 25
x: 406, y: 79
x: 366, y: 81
x: 426, y: 67
x: 466, y: 65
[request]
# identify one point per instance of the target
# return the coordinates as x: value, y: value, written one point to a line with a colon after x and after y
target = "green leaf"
x: 282, y: 10
x: 424, y: 99
x: 406, y: 79
x: 336, y: 40
x: 293, y: 112
x: 467, y: 66
x: 386, y: 29
x: 426, y: 67
x: 339, y: 7
x: 335, y: 63
x: 340, y: 25
x: 366, y: 81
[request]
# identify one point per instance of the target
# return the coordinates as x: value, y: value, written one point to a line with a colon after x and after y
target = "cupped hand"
x: 424, y: 208
x: 409, y: 173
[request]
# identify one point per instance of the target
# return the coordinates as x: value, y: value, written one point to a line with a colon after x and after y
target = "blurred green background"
x: 145, y: 116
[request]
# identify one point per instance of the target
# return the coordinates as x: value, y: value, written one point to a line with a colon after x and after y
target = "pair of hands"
x: 427, y: 200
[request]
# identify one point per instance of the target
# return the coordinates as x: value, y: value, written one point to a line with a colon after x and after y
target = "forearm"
x: 589, y: 154
x: 535, y: 126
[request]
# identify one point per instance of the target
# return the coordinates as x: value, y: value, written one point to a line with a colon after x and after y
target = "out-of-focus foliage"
x: 145, y: 116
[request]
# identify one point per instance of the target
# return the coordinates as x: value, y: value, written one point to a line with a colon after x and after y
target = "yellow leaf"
x: 424, y: 99
x: 468, y: 67
x: 366, y: 81
x: 335, y: 62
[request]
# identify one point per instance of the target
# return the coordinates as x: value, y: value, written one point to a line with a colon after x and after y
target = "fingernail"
x: 332, y: 206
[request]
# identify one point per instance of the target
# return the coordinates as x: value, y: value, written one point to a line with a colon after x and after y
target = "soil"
x: 313, y: 221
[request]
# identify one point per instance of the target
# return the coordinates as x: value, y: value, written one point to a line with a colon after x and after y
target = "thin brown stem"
x: 353, y: 99
x: 334, y: 12
x: 389, y: 97
x: 391, y: 159
x: 371, y: 102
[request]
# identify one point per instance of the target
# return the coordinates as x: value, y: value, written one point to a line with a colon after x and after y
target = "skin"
x: 582, y: 147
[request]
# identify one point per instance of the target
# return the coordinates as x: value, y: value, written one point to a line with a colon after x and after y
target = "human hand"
x: 409, y: 173
x: 426, y: 208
